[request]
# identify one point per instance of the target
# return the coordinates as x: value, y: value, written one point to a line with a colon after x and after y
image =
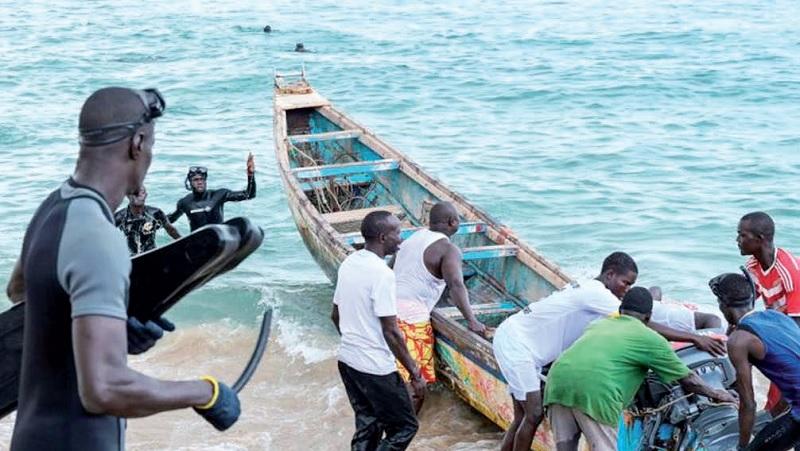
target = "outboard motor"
x: 664, y: 417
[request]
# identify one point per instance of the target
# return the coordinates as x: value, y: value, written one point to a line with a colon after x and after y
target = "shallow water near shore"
x: 585, y: 127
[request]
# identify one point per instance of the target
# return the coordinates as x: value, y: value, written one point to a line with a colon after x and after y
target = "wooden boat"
x: 336, y: 171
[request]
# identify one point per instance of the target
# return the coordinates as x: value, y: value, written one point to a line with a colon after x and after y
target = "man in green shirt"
x: 592, y: 382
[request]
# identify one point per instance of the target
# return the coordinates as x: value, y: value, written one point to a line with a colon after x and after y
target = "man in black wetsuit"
x: 76, y: 387
x: 204, y: 206
x: 140, y: 222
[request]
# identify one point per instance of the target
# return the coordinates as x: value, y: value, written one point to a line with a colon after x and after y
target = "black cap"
x: 638, y: 299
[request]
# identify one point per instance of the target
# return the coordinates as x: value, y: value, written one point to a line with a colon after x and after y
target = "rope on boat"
x: 661, y: 408
x: 328, y: 195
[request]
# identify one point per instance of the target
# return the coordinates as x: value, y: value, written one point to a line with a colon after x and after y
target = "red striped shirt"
x: 779, y: 285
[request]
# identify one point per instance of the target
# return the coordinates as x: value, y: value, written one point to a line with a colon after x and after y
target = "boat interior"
x: 345, y: 179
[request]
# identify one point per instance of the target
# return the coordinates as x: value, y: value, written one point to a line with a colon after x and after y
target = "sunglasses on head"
x: 154, y: 105
x: 197, y: 170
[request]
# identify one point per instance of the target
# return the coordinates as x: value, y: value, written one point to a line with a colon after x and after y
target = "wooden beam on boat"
x: 350, y: 220
x: 463, y: 229
x: 327, y: 136
x: 344, y: 169
x: 485, y: 252
x: 355, y: 179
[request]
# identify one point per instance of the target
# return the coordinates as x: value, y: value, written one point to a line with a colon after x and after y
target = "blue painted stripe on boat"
x: 463, y: 229
x: 326, y: 136
x: 355, y: 179
x: 484, y: 252
x: 472, y: 358
x: 337, y: 170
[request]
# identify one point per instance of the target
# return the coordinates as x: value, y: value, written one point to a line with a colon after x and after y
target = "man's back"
x: 75, y: 263
x: 417, y: 289
x: 549, y: 326
x: 781, y: 363
x: 609, y: 362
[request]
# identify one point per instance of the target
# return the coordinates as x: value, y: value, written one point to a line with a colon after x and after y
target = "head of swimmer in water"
x: 117, y: 133
x: 619, y: 273
x: 196, y: 179
x: 137, y: 199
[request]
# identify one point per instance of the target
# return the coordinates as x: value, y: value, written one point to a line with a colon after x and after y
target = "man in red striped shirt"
x: 776, y: 273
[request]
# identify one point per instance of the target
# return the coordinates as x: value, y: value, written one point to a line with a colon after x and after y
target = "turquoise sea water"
x: 587, y: 127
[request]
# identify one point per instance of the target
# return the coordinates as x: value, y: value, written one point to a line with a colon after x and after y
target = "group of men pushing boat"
x: 600, y: 338
x: 601, y: 335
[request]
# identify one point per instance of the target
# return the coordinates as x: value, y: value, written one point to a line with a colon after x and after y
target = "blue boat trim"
x: 485, y: 252
x: 327, y: 136
x: 337, y: 170
x: 464, y: 229
x: 356, y: 179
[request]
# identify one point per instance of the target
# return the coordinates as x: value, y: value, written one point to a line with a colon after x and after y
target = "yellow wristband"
x: 214, y: 394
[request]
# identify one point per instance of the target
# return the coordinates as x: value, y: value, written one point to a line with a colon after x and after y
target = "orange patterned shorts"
x: 419, y: 341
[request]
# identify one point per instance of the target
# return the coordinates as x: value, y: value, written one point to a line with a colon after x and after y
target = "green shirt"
x: 601, y: 372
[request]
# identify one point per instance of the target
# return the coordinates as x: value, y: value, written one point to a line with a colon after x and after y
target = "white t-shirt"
x: 365, y: 291
x: 548, y: 327
x: 676, y: 316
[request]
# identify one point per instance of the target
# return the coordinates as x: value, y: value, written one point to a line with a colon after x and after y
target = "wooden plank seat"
x: 327, y: 136
x: 349, y: 221
x: 485, y: 252
x: 355, y: 238
x: 344, y: 169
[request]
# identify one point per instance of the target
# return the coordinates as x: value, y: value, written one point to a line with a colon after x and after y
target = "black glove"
x: 142, y: 337
x: 224, y: 409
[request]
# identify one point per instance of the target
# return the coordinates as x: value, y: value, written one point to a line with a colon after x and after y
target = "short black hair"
x: 761, y: 224
x: 442, y: 213
x: 620, y: 263
x: 107, y: 106
x: 374, y: 224
x: 637, y: 299
x: 732, y: 289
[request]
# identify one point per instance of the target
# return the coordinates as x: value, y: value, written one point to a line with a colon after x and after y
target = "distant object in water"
x: 267, y: 29
x: 299, y: 47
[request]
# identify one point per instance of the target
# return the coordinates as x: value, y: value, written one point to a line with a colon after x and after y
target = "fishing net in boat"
x: 331, y: 194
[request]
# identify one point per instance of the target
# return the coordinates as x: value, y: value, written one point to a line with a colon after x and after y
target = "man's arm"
x: 714, y: 346
x: 107, y: 385
x: 397, y: 344
x: 171, y: 230
x: 694, y: 384
x: 738, y: 351
x: 15, y: 290
x: 172, y: 217
x: 454, y: 278
x: 250, y: 191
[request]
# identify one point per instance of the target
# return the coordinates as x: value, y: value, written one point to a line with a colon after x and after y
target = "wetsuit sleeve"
x: 248, y: 193
x: 384, y: 295
x: 160, y: 216
x: 172, y: 217
x: 93, y: 263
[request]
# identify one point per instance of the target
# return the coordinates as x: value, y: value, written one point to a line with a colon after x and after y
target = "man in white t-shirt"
x: 535, y: 336
x: 683, y: 317
x: 365, y: 314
